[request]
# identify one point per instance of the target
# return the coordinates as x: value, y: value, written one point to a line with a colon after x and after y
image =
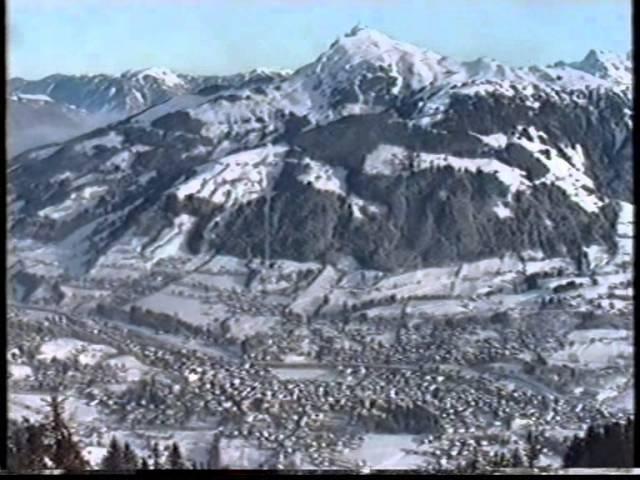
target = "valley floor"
x: 315, y: 366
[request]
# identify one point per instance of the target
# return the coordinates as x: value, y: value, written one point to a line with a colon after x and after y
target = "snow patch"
x: 236, y: 178
x: 496, y: 140
x: 170, y: 243
x: 392, y: 160
x: 20, y: 372
x: 503, y: 211
x: 164, y: 75
x: 32, y: 97
x: 324, y: 177
x: 568, y: 175
x: 129, y: 366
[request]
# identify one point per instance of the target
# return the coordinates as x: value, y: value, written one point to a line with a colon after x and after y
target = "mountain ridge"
x: 393, y: 156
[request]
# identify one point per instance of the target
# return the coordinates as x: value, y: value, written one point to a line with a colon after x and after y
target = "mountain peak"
x: 365, y: 32
x: 364, y: 43
x: 361, y: 38
x: 606, y: 65
x: 162, y: 74
x: 599, y: 55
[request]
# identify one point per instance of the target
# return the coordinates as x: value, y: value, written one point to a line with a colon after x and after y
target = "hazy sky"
x: 227, y: 36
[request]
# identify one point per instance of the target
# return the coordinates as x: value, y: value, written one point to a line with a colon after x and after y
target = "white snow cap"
x: 270, y: 71
x: 31, y: 97
x: 163, y: 74
x: 365, y: 46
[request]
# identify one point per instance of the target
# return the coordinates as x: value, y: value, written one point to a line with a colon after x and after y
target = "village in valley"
x: 254, y: 364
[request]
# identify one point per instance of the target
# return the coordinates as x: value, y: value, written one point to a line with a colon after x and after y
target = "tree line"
x: 50, y: 445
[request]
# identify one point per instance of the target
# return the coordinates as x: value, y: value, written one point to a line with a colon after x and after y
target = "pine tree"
x: 573, y: 453
x: 214, y: 453
x: 66, y: 454
x: 113, y: 460
x: 18, y: 454
x: 144, y: 464
x: 129, y: 458
x: 155, y: 454
x: 474, y: 464
x: 494, y: 461
x: 174, y: 460
x: 533, y: 449
x: 610, y: 446
x: 36, y: 448
x: 516, y: 458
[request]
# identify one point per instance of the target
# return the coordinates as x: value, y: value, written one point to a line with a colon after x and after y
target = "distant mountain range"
x: 58, y: 107
x: 377, y: 151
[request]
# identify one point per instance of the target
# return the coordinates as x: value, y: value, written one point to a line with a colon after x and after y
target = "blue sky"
x: 228, y: 36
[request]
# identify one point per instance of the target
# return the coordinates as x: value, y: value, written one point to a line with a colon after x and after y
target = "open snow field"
x: 386, y: 452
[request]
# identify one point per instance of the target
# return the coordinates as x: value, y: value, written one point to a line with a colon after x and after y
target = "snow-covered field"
x: 236, y: 453
x: 79, y: 200
x: 596, y: 348
x: 390, y: 159
x: 130, y: 367
x: 32, y: 97
x: 171, y: 241
x: 63, y: 348
x: 189, y: 309
x: 568, y: 175
x: 386, y: 452
x: 311, y: 298
x: 20, y: 372
x: 237, y: 178
x: 34, y: 406
x: 26, y: 405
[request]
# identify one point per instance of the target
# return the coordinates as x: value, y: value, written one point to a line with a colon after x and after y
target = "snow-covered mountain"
x: 128, y: 93
x: 607, y: 66
x: 377, y: 150
x: 84, y: 102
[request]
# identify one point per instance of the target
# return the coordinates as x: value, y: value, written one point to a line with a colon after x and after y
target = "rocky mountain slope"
x: 376, y: 151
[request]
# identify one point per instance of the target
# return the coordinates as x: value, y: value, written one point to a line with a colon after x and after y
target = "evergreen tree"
x: 494, y: 461
x: 144, y: 464
x: 19, y: 457
x: 533, y: 449
x: 516, y: 458
x: 474, y: 464
x: 113, y: 460
x: 610, y: 446
x: 66, y: 454
x: 38, y: 447
x: 174, y: 460
x: 155, y: 454
x: 214, y: 453
x: 129, y: 458
x: 573, y: 452
x: 34, y: 447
